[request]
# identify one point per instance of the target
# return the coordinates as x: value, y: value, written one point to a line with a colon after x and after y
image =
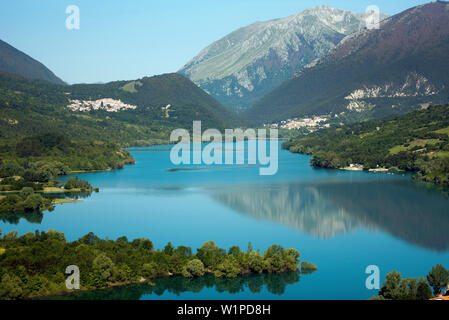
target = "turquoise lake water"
x: 341, y: 221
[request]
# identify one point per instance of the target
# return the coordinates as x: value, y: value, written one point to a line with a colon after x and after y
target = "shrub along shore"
x: 33, y: 265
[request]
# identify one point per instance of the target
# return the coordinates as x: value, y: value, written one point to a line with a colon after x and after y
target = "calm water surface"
x: 341, y: 221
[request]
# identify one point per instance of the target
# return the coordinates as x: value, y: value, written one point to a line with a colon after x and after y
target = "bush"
x: 229, y: 268
x: 26, y: 191
x: 308, y: 266
x: 149, y: 270
x: 194, y: 268
x: 75, y: 183
x: 10, y: 287
x: 33, y: 202
x: 255, y: 262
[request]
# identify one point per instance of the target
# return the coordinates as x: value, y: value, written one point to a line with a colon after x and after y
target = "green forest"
x: 397, y: 288
x: 29, y: 168
x: 415, y: 142
x: 33, y: 265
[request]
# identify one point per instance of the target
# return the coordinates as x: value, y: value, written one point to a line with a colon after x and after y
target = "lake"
x: 342, y: 221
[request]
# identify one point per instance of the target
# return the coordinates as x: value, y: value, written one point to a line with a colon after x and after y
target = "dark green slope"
x: 17, y: 62
x: 29, y: 107
x: 150, y: 94
x: 406, y: 61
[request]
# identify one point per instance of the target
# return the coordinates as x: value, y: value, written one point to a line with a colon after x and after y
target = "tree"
x: 33, y: 202
x: 53, y: 234
x: 438, y: 278
x: 210, y: 254
x: 395, y: 288
x: 234, y: 251
x: 75, y: 183
x: 169, y: 249
x: 89, y: 239
x: 149, y: 270
x: 183, y: 251
x: 10, y: 287
x: 194, y: 268
x: 104, y: 265
x: 255, y: 262
x: 228, y: 268
x: 423, y: 291
x: 25, y: 192
x: 390, y: 288
x: 143, y: 243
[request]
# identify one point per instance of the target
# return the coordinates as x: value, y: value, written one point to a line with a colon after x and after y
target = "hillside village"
x: 106, y: 104
x: 302, y: 123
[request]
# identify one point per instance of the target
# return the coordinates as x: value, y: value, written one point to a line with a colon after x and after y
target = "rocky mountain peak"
x: 249, y: 62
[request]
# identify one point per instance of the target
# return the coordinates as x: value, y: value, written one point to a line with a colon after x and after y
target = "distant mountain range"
x: 368, y: 74
x: 395, y: 69
x: 243, y: 66
x: 17, y: 62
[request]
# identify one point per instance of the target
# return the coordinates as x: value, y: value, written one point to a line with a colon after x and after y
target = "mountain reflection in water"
x: 400, y: 208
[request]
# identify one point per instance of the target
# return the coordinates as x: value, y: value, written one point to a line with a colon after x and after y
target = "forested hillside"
x: 29, y: 107
x: 152, y: 95
x: 417, y: 142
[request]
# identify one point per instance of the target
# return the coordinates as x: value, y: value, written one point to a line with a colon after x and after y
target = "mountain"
x: 154, y: 107
x: 240, y: 68
x: 17, y: 62
x: 394, y: 69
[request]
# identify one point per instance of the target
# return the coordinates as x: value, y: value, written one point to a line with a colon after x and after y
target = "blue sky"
x: 121, y: 40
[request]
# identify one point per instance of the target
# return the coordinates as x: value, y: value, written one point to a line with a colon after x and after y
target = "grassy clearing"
x: 61, y: 201
x: 442, y: 154
x: 443, y: 131
x: 131, y: 86
x: 415, y: 143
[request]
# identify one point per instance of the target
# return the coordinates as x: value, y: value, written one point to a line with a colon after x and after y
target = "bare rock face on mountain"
x: 16, y: 62
x: 394, y: 69
x: 240, y: 68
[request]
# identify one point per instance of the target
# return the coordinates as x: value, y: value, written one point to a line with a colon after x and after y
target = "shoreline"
x: 55, y: 190
x: 148, y: 282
